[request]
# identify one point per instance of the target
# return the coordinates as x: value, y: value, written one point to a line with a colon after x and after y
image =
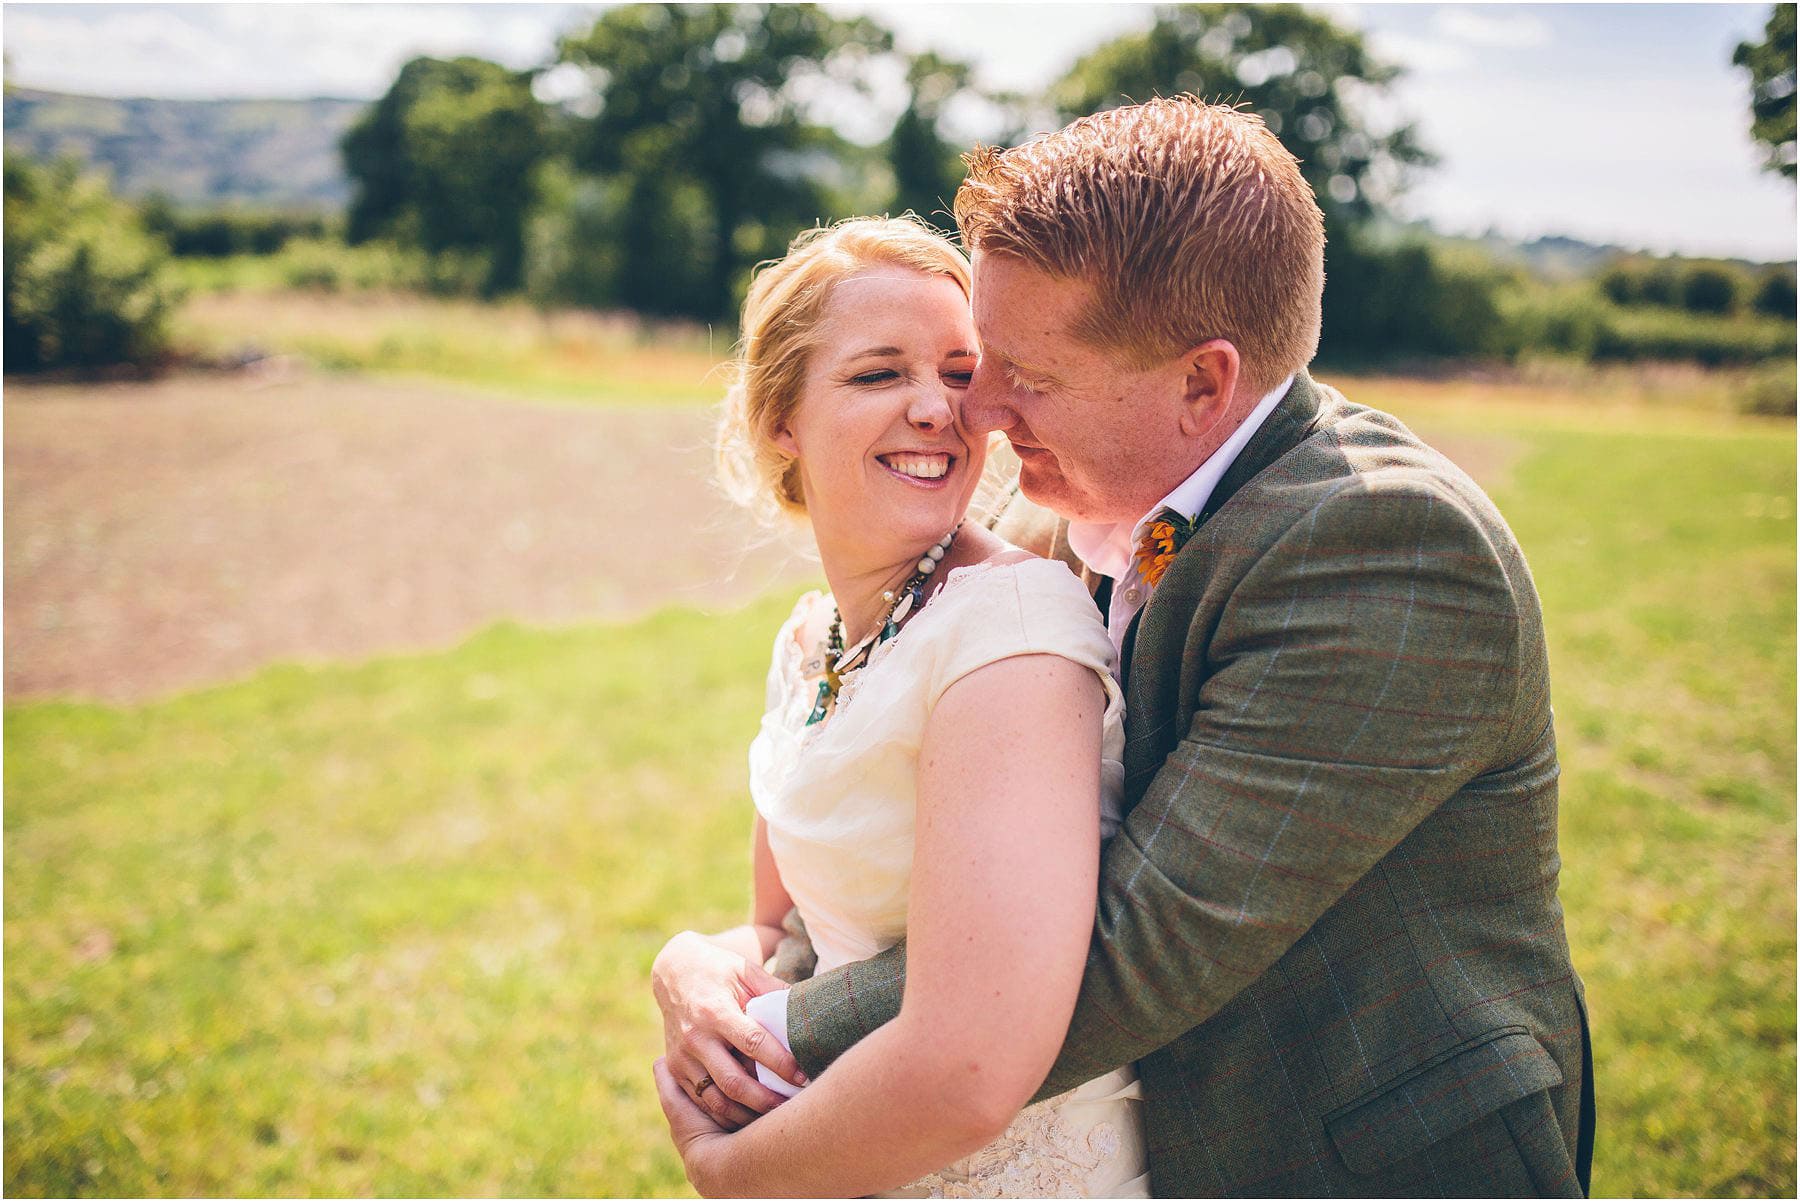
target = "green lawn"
x: 385, y: 929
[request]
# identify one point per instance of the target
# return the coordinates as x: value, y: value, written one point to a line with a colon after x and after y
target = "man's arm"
x: 1366, y: 668
x: 1000, y: 906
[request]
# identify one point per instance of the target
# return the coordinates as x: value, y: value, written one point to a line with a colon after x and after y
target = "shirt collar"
x: 1108, y: 547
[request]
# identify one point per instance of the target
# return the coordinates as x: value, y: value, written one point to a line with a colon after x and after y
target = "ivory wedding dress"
x: 838, y: 799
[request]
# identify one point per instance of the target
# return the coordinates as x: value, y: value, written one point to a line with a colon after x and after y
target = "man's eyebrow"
x: 1016, y: 368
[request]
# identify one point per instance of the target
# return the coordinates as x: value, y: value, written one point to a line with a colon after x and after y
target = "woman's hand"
x: 700, y: 1141
x: 702, y: 989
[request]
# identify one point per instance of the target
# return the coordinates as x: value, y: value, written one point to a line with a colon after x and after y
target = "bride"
x: 939, y: 761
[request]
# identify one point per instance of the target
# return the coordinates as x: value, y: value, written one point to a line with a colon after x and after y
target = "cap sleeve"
x: 1035, y: 607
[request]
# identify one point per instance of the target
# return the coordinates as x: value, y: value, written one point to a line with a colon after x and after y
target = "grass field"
x: 512, y: 348
x: 580, y: 356
x: 385, y: 928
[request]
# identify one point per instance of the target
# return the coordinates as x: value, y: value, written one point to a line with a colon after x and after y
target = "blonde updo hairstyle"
x: 779, y: 334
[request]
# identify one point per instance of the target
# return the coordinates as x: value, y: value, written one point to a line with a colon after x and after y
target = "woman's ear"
x: 784, y: 440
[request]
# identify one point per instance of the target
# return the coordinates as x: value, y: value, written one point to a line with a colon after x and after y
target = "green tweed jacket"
x: 1328, y: 932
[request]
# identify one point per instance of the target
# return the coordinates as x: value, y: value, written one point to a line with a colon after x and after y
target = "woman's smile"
x: 930, y: 469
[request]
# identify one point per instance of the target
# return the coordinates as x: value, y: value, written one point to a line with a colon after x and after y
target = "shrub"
x: 84, y: 285
x: 1582, y: 322
x: 1775, y: 294
x: 1409, y: 298
x: 1562, y: 321
x: 1711, y: 340
x: 326, y: 265
x: 1769, y: 392
x: 221, y: 232
x: 1659, y: 283
x: 1708, y: 288
x: 1620, y: 283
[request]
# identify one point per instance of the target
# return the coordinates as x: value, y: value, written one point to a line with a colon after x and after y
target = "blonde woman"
x: 939, y: 761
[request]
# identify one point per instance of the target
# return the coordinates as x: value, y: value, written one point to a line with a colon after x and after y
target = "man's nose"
x: 985, y: 404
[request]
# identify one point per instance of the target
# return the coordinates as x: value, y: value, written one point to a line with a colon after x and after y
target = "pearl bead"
x: 928, y: 565
x: 937, y: 552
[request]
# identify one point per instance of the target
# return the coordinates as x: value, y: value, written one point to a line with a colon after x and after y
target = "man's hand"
x: 698, y: 1139
x: 702, y: 989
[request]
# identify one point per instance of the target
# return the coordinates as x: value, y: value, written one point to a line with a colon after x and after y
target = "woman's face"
x: 885, y: 463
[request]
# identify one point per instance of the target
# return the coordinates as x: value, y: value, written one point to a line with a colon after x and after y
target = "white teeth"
x: 922, y: 467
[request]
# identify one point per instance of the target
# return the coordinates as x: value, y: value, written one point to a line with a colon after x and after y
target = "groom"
x: 1328, y: 933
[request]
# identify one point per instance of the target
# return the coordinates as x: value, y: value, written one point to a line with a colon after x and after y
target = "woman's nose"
x: 931, y: 410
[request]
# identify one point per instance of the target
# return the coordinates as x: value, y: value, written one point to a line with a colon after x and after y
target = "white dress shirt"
x: 1109, y: 547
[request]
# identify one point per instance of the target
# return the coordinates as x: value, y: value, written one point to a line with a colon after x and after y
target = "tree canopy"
x: 445, y: 160
x: 1771, y: 66
x: 1306, y: 77
x: 927, y: 169
x: 705, y: 113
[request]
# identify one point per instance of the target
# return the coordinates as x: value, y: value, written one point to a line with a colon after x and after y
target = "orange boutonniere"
x: 1161, y: 543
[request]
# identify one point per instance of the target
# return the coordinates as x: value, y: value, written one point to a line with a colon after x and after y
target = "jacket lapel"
x: 1288, y: 424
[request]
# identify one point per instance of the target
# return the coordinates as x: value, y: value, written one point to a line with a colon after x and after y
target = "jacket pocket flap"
x: 1440, y: 1098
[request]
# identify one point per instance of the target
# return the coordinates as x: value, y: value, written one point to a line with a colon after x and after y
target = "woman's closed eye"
x: 884, y: 375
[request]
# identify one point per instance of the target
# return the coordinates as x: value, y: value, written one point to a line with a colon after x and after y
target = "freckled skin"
x: 847, y: 417
x: 1099, y: 440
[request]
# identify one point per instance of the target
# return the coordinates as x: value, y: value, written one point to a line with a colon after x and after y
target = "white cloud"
x: 209, y: 50
x: 1422, y: 54
x: 1510, y: 29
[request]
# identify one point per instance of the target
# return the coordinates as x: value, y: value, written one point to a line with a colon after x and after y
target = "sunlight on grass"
x: 386, y: 929
x: 502, y: 349
x: 372, y: 930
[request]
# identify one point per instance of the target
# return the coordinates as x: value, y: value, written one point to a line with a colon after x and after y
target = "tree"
x: 84, y: 285
x: 1771, y: 66
x: 927, y: 169
x: 1305, y: 76
x: 704, y: 116
x: 1310, y: 81
x: 445, y: 160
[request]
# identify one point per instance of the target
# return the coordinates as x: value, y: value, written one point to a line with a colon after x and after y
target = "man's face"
x: 1098, y: 439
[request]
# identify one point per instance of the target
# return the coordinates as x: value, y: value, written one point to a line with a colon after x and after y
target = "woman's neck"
x: 858, y: 588
x: 859, y: 594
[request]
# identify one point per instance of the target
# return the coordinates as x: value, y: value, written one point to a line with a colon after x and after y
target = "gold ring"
x: 702, y: 1085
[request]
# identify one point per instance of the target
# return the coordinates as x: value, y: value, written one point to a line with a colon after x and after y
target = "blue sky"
x: 1610, y: 122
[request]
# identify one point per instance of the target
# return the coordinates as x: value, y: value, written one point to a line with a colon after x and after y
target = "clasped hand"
x: 702, y: 989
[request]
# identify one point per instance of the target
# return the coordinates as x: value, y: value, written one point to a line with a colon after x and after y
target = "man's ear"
x: 1210, y: 383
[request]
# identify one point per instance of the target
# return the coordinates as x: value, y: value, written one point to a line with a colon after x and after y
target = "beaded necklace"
x: 903, y: 602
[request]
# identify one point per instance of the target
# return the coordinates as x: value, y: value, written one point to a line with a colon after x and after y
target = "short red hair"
x: 1191, y: 221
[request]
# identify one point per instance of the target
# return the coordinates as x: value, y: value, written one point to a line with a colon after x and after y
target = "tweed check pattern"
x: 1329, y: 931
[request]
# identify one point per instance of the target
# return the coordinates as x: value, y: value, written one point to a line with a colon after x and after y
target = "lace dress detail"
x: 838, y: 799
x: 1055, y: 1149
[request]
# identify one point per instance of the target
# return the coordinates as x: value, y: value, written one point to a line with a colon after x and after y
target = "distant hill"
x: 275, y: 153
x: 1551, y: 256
